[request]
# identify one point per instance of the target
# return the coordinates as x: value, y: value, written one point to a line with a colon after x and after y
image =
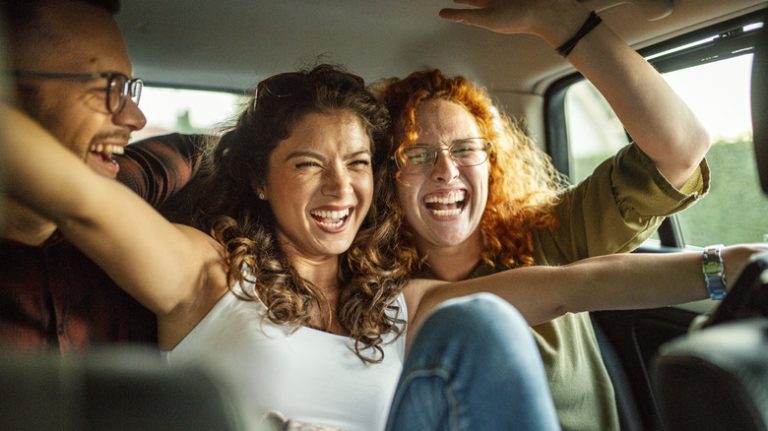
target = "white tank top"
x: 304, y: 374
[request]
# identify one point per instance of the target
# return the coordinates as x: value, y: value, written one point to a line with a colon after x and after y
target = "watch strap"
x: 714, y: 272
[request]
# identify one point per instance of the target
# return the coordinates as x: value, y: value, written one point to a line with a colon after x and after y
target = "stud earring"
x: 261, y: 196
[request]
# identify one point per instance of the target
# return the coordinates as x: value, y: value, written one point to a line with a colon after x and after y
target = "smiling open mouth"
x: 446, y: 204
x: 106, y: 151
x: 331, y: 220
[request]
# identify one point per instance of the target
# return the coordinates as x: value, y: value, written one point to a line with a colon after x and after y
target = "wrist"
x: 562, y: 24
x: 592, y: 20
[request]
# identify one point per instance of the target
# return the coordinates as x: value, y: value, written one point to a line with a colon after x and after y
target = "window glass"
x: 186, y: 111
x: 718, y: 93
x: 734, y: 211
x: 594, y: 131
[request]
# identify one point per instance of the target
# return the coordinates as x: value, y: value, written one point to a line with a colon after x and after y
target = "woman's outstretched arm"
x: 659, y: 121
x: 164, y: 266
x: 613, y: 282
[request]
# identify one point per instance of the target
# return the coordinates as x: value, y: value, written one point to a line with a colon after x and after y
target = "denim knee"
x: 474, y: 365
x: 480, y: 328
x: 481, y: 313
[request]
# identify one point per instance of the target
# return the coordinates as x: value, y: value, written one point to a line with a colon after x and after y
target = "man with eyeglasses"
x: 72, y: 74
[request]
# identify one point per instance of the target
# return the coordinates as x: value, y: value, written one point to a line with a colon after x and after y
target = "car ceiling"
x: 232, y: 44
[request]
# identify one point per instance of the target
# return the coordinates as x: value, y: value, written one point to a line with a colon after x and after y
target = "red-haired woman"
x: 476, y: 196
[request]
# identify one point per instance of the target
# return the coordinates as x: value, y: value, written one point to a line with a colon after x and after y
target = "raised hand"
x: 553, y: 20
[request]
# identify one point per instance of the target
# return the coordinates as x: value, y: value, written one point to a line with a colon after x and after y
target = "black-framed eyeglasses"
x: 118, y: 90
x: 292, y: 83
x: 464, y: 152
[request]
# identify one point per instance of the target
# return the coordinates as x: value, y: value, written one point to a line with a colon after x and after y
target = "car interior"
x: 199, y: 58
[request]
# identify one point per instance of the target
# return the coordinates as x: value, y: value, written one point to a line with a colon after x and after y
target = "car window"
x: 725, y: 110
x: 186, y: 110
x: 718, y: 91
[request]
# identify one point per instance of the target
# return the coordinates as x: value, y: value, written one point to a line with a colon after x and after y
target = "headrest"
x: 715, y: 379
x: 118, y: 389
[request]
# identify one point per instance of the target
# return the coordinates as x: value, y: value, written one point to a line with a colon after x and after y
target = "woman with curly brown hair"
x: 476, y: 196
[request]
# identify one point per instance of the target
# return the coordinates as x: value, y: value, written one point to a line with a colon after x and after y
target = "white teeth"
x: 332, y: 216
x: 330, y: 219
x: 332, y: 225
x: 111, y: 149
x: 450, y: 198
x: 446, y: 213
x: 450, y: 203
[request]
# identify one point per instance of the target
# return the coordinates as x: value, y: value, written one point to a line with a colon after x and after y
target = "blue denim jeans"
x: 473, y: 366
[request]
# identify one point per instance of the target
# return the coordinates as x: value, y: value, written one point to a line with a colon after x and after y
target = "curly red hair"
x: 523, y: 183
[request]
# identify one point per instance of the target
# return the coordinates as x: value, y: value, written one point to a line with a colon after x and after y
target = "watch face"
x: 713, y: 266
x: 712, y: 255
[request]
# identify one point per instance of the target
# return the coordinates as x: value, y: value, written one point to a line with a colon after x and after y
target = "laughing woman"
x: 295, y: 298
x: 477, y: 196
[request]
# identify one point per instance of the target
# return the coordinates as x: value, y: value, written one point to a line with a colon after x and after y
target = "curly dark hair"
x: 370, y: 276
x: 524, y: 186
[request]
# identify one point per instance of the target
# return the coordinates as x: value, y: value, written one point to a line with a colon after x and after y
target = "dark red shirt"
x: 53, y: 296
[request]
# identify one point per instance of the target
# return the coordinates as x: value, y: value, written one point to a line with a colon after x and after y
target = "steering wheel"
x: 749, y: 295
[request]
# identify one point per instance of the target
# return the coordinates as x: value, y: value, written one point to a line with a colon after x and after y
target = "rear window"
x: 186, y: 110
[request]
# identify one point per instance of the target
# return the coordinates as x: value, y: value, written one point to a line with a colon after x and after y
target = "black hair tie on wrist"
x: 592, y: 21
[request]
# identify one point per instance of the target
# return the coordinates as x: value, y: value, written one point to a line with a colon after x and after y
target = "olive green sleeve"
x: 615, y: 209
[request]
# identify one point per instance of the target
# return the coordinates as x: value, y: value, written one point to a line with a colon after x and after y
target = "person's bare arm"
x: 660, y: 123
x: 166, y: 267
x: 612, y: 282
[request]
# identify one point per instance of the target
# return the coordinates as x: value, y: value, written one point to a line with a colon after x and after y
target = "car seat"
x: 717, y: 378
x: 117, y: 389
